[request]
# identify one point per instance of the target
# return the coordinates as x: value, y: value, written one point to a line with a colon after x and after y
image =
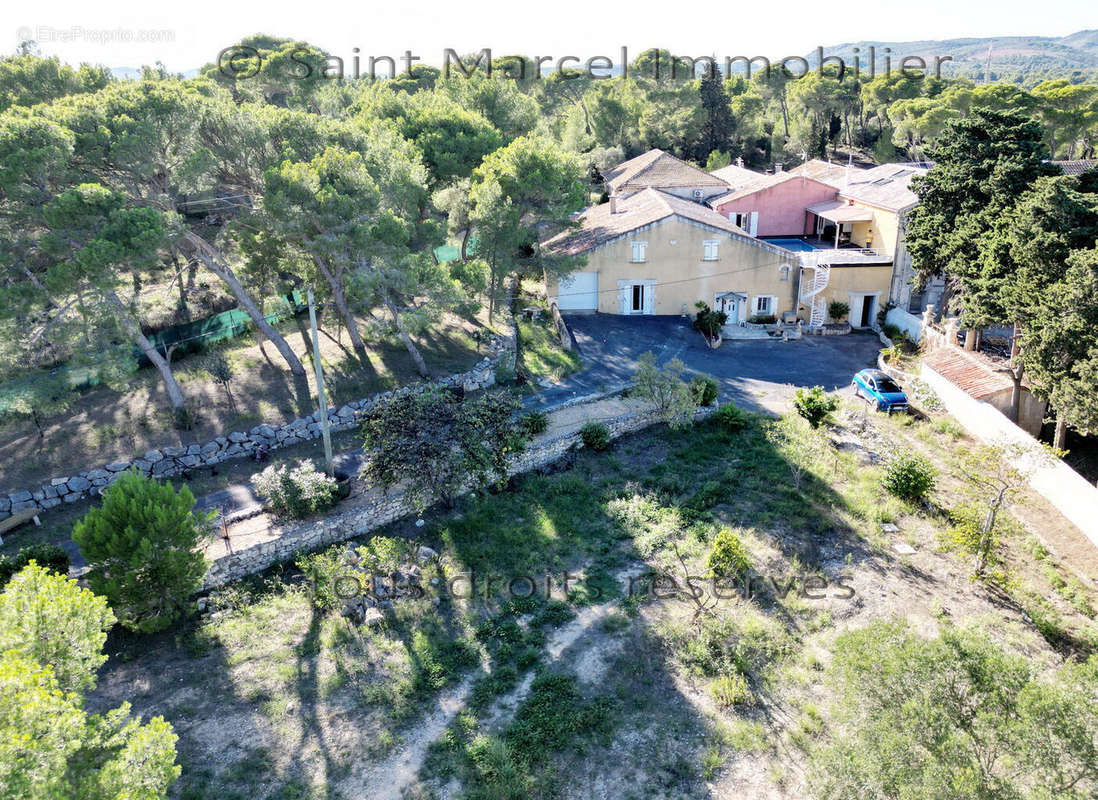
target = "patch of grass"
x: 540, y: 354
x: 731, y: 690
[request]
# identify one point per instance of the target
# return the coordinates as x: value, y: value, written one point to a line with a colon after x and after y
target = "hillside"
x: 1021, y: 59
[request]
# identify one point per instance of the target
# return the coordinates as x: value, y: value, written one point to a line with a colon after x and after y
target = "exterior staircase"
x: 812, y: 289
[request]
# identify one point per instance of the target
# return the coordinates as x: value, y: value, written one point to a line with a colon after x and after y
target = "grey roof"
x: 736, y: 176
x: 886, y: 186
x: 837, y: 175
x: 659, y: 170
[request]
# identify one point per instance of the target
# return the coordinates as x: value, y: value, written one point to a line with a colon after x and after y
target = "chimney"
x: 778, y: 168
x: 739, y: 161
x: 614, y: 203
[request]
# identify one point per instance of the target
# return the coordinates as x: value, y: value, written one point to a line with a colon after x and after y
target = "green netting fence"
x: 190, y: 337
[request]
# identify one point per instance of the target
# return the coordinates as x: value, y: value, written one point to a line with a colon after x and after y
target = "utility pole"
x: 321, y: 394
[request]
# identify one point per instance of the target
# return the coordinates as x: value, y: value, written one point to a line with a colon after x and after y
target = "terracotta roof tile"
x: 968, y: 371
x: 598, y: 226
x: 1077, y: 167
x: 659, y: 170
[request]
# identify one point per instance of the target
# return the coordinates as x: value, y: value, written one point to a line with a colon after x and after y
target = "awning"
x: 735, y: 295
x: 841, y: 211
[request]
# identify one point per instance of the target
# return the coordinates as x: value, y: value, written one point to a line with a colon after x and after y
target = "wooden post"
x: 321, y: 394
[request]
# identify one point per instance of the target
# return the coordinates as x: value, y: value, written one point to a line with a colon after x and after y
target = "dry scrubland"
x: 276, y: 695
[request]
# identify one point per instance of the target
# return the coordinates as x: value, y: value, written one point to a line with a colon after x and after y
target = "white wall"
x: 907, y: 322
x: 1067, y: 490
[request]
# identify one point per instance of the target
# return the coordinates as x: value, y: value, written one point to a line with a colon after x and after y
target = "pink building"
x: 774, y: 205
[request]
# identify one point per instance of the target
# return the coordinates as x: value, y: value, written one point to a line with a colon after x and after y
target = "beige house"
x: 659, y: 246
x: 656, y: 253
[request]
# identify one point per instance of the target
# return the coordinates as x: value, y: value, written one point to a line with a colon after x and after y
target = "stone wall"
x: 166, y: 462
x: 382, y: 509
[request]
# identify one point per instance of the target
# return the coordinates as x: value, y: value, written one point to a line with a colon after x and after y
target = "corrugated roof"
x: 968, y: 371
x: 598, y: 226
x: 659, y: 170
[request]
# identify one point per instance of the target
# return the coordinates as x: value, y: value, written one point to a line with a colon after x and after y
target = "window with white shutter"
x: 640, y: 252
x: 711, y: 248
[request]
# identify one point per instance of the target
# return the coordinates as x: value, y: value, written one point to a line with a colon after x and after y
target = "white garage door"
x: 578, y: 292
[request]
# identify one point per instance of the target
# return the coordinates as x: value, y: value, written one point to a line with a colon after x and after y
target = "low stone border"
x: 389, y: 507
x: 166, y: 462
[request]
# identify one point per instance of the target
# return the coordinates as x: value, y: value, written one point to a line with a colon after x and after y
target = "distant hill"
x: 1017, y: 59
x: 134, y: 73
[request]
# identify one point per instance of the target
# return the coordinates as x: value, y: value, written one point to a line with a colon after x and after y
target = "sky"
x: 130, y: 33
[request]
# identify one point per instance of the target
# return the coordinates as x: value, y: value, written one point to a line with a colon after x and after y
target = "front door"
x: 731, y: 307
x: 636, y: 300
x: 867, y: 311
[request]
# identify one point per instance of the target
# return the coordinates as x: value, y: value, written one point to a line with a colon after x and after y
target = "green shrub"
x: 595, y: 436
x: 535, y: 422
x: 762, y: 319
x: 707, y: 321
x: 49, y: 556
x: 704, y: 390
x: 728, y: 556
x: 909, y: 477
x: 296, y: 492
x: 814, y: 405
x: 731, y: 690
x: 142, y: 545
x: 323, y: 569
x: 505, y: 376
x: 730, y: 417
x: 837, y: 309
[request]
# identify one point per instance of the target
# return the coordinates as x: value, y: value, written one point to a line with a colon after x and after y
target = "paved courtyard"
x: 759, y: 375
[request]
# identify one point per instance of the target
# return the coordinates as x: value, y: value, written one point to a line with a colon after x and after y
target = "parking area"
x: 759, y: 375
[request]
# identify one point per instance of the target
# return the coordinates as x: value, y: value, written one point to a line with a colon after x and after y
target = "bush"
x: 704, y: 390
x: 707, y: 321
x: 505, y: 376
x: 730, y: 417
x: 728, y: 557
x: 762, y: 319
x: 814, y: 405
x: 731, y: 690
x: 665, y: 388
x: 49, y: 556
x: 535, y: 422
x: 403, y: 445
x: 595, y: 436
x: 837, y: 310
x: 909, y: 477
x: 142, y: 546
x: 298, y: 492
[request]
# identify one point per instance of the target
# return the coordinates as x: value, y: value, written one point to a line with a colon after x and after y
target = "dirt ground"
x: 105, y: 425
x: 272, y: 699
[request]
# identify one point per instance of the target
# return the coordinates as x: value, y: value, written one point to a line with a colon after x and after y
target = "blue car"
x: 878, y: 388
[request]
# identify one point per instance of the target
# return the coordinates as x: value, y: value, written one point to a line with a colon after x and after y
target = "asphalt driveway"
x: 758, y: 374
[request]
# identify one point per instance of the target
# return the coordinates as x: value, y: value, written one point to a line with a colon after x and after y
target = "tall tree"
x: 983, y: 163
x: 518, y: 193
x: 143, y: 140
x: 718, y: 128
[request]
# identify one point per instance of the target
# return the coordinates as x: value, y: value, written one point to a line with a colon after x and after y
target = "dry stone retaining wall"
x: 166, y: 462
x: 364, y: 518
